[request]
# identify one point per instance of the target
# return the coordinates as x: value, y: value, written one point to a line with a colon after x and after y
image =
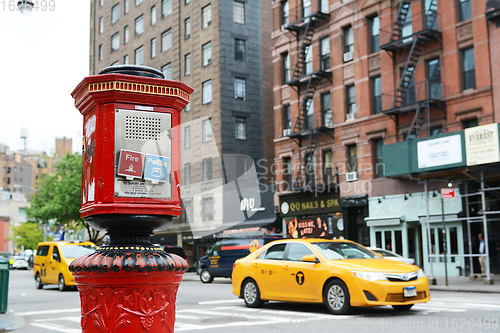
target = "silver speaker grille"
x: 142, y: 128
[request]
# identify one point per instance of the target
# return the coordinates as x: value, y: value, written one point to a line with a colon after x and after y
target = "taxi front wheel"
x: 337, y: 298
x: 251, y: 294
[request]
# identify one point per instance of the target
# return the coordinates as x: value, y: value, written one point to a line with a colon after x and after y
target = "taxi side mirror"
x: 310, y: 258
x: 381, y: 256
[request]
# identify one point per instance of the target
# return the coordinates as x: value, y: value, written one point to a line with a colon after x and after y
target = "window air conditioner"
x: 351, y: 116
x: 287, y: 131
x: 348, y: 56
x: 351, y: 176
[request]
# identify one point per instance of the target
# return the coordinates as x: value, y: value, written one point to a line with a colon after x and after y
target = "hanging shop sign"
x: 438, y: 152
x: 308, y: 204
x: 481, y: 144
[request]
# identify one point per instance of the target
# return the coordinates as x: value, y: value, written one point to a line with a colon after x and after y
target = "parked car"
x: 20, y: 263
x: 339, y: 273
x: 391, y: 255
x: 52, y: 260
x: 219, y: 260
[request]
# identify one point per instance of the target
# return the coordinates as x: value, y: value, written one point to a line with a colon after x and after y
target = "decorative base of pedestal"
x: 128, y: 289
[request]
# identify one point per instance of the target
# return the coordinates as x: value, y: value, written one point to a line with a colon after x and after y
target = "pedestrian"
x: 482, y: 259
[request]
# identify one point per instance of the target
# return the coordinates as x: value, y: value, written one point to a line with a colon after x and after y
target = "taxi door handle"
x: 255, y: 265
x: 286, y: 267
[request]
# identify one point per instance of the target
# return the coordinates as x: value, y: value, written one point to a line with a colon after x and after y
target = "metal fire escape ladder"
x: 397, y: 29
x: 310, y: 28
x: 306, y: 104
x: 312, y: 145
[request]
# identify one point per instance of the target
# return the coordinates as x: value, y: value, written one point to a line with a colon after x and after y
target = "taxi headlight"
x: 420, y: 273
x: 371, y: 276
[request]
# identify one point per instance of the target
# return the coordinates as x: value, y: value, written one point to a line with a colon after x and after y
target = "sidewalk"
x: 457, y: 284
x: 467, y: 284
x: 9, y: 322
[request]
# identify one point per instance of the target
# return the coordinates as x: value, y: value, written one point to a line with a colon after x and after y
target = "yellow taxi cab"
x: 339, y: 273
x: 52, y: 260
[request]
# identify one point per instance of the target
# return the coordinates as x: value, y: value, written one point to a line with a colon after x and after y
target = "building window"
x: 239, y: 88
x: 100, y: 52
x: 310, y: 164
x: 327, y: 167
x: 208, y: 209
x: 138, y: 2
x: 470, y: 123
x: 240, y: 128
x: 239, y: 50
x: 187, y: 173
x: 409, y: 93
x: 166, y: 8
x: 430, y: 8
x: 306, y: 8
x: 308, y: 68
x: 376, y: 85
x: 351, y: 102
x: 378, y: 166
x: 187, y: 137
x: 407, y: 29
x: 187, y: 64
x: 324, y: 8
x: 468, y: 69
x: 285, y: 60
x: 187, y: 1
x: 374, y: 24
x: 167, y: 71
x: 464, y: 10
x: 309, y: 124
x: 139, y: 25
x: 115, y: 42
x: 206, y: 16
x: 153, y: 15
x: 207, y: 169
x: 287, y: 171
x: 437, y: 130
x: 188, y: 210
x: 285, y: 14
x: 206, y: 54
x: 139, y: 55
x: 166, y: 40
x: 287, y: 118
x: 188, y: 107
x: 325, y: 53
x: 352, y: 158
x: 434, y: 78
x: 207, y: 92
x: 153, y: 47
x: 348, y: 44
x: 101, y: 25
x: 125, y: 59
x: 125, y: 35
x: 127, y: 5
x: 187, y: 28
x: 115, y: 13
x: 326, y: 109
x: 239, y: 12
x: 206, y: 130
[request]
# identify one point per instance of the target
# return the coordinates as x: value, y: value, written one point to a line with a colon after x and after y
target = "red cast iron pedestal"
x: 128, y: 289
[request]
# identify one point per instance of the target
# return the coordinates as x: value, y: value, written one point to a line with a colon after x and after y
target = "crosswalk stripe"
x: 57, y: 328
x: 222, y: 301
x: 43, y: 312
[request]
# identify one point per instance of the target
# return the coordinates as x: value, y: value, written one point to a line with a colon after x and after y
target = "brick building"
x: 222, y: 49
x: 352, y: 77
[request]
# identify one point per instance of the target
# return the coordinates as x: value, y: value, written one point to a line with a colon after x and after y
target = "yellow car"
x: 52, y: 260
x: 339, y: 273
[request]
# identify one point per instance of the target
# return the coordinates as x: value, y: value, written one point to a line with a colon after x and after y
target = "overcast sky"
x: 44, y: 56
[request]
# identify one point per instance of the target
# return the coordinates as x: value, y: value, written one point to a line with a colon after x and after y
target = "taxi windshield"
x: 75, y: 251
x: 341, y: 250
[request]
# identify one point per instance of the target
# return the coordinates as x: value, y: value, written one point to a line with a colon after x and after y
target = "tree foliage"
x: 27, y: 234
x: 59, y: 196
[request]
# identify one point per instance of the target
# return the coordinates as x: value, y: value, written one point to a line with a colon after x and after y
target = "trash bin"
x: 4, y: 284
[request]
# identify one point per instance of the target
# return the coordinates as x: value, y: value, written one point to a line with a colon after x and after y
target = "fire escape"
x: 305, y: 82
x: 413, y: 98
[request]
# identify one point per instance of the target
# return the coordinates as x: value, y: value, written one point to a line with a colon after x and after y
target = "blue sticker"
x: 156, y: 168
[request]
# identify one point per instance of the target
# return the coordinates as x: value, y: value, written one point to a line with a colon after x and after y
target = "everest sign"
x: 130, y: 164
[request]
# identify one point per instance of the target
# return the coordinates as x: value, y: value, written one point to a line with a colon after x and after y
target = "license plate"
x: 409, y: 291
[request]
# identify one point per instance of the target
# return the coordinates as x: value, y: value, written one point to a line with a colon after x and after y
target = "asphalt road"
x: 212, y: 308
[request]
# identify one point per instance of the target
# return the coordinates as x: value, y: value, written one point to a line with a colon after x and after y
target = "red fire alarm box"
x: 131, y: 141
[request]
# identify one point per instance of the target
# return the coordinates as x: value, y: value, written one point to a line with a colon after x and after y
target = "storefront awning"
x: 383, y: 221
